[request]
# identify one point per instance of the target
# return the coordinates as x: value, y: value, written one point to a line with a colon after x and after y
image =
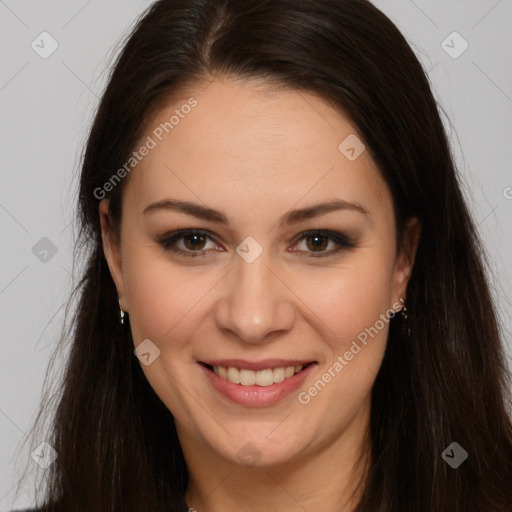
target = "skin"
x: 255, y: 152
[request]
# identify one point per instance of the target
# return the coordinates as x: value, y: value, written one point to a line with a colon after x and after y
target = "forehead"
x: 231, y: 141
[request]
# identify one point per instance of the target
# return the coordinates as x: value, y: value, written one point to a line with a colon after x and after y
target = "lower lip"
x: 257, y: 396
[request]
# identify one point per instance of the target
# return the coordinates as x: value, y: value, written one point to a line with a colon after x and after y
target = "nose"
x: 256, y: 302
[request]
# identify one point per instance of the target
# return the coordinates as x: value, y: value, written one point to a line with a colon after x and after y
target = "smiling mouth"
x: 264, y: 378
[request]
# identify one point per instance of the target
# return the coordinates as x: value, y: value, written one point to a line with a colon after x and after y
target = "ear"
x: 112, y: 250
x: 405, y: 258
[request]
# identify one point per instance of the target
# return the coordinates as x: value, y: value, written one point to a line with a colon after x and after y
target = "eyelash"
x: 343, y: 242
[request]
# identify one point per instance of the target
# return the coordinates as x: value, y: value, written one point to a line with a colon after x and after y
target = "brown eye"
x: 194, y: 240
x: 188, y: 243
x: 316, y: 243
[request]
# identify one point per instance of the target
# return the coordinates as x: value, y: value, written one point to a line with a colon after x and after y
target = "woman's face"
x: 256, y: 168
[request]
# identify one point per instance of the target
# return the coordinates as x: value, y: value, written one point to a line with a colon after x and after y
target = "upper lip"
x: 255, y: 366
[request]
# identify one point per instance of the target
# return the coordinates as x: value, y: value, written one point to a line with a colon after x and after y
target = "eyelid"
x: 342, y: 241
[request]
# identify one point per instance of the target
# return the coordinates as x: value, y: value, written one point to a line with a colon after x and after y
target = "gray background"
x: 47, y: 105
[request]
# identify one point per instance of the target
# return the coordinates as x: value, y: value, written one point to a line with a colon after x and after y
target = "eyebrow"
x: 289, y: 218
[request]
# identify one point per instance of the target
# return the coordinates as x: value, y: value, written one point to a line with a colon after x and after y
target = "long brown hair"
x: 445, y: 382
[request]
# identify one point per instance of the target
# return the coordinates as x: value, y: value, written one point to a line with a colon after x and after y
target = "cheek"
x: 355, y: 306
x: 356, y: 310
x: 159, y: 293
x: 352, y: 297
x: 166, y: 300
x: 162, y: 297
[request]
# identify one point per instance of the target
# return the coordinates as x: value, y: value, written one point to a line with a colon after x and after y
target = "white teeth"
x: 247, y: 377
x: 265, y: 377
x: 233, y: 375
x: 278, y: 375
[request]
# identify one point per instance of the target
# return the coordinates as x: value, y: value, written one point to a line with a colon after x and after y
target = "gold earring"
x: 404, y: 309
